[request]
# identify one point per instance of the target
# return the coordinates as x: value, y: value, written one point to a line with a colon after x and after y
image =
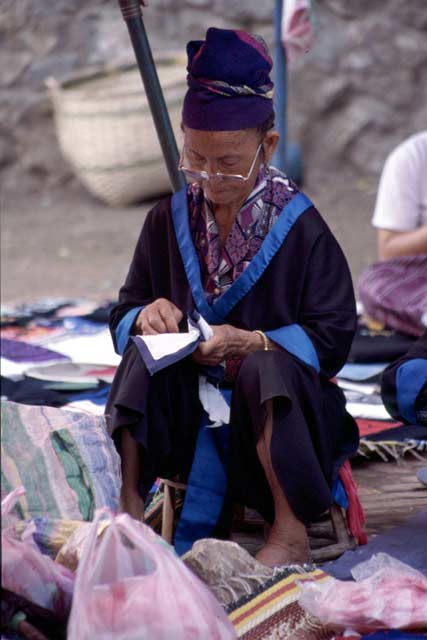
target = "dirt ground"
x: 67, y: 244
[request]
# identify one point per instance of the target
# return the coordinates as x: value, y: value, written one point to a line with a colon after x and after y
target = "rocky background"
x: 360, y: 91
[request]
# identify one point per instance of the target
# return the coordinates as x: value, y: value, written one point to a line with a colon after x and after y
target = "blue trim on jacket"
x: 218, y: 311
x: 410, y: 378
x: 124, y: 328
x: 294, y: 339
x: 180, y: 217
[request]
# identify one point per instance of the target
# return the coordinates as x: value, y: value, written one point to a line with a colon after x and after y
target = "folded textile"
x: 19, y: 351
x: 162, y: 350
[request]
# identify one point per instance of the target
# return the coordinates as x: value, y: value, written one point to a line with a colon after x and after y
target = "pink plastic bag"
x: 29, y: 573
x: 130, y: 585
x: 387, y: 594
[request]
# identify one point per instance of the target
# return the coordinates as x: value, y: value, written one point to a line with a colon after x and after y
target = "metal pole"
x: 131, y: 11
x: 280, y: 88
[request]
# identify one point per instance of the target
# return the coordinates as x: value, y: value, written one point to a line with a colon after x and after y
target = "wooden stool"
x: 168, y: 510
x: 329, y: 537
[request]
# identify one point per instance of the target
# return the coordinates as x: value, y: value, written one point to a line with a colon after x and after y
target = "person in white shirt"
x: 401, y: 208
x: 394, y: 290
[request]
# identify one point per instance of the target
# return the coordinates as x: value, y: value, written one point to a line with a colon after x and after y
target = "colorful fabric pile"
x: 65, y: 460
x: 57, y: 353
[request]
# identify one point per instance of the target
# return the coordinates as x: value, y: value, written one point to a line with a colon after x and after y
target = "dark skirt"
x: 312, y: 432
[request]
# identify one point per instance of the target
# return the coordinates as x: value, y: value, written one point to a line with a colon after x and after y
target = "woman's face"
x: 227, y: 152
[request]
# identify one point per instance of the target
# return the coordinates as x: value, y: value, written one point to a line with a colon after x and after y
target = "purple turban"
x: 229, y: 85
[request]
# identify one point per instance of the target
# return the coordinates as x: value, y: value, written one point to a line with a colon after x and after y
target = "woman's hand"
x: 226, y: 341
x: 161, y: 316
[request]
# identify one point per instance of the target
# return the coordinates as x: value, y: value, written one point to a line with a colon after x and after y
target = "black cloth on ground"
x: 382, y: 345
x: 32, y: 391
x: 400, y: 433
x: 100, y: 315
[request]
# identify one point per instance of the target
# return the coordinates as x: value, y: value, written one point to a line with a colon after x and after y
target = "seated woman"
x: 394, y: 291
x: 249, y: 252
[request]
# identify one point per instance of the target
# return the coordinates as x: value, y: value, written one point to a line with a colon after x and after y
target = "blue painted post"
x: 287, y: 157
x: 279, y: 158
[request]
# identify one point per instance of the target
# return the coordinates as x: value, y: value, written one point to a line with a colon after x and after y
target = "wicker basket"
x: 105, y: 129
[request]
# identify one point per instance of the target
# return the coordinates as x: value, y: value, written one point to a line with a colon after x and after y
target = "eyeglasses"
x: 195, y: 175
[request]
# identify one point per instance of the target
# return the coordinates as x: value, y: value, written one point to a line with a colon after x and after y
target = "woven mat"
x: 273, y: 611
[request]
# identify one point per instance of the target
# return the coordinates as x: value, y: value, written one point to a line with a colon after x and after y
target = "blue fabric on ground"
x: 394, y: 634
x: 406, y: 542
x: 99, y: 396
x: 361, y: 372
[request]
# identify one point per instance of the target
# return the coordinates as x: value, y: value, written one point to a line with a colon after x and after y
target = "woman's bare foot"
x: 132, y: 503
x: 285, y: 547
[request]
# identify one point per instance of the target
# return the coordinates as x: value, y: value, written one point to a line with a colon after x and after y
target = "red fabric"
x: 368, y: 427
x: 355, y: 513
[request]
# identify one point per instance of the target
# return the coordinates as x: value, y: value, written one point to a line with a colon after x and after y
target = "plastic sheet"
x: 29, y: 573
x: 387, y: 594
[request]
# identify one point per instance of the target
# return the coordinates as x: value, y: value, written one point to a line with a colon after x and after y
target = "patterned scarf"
x: 220, y: 267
